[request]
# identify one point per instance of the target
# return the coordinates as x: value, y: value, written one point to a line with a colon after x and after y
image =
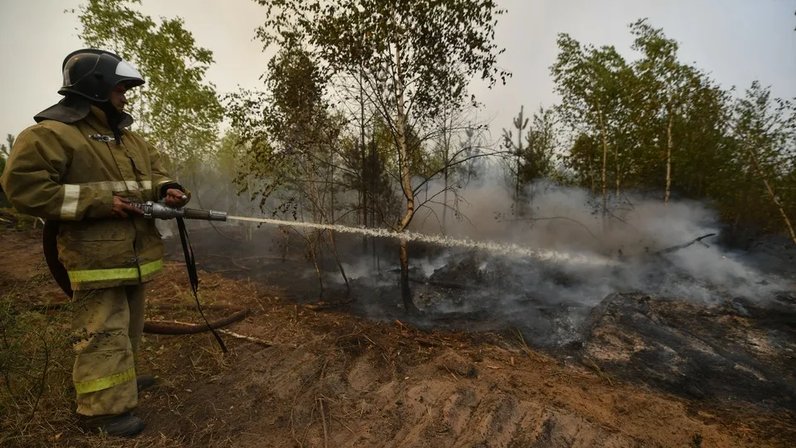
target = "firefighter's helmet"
x: 93, y: 74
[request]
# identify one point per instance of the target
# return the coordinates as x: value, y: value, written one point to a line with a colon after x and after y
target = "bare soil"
x: 310, y: 375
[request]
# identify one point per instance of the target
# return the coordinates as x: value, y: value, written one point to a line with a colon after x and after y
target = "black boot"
x: 121, y: 425
x: 145, y: 382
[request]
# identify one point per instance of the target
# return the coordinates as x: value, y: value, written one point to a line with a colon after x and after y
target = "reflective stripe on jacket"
x: 70, y: 173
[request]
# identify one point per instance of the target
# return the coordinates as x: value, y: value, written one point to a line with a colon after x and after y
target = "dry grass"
x: 35, y: 370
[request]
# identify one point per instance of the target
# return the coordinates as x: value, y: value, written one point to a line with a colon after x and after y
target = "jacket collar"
x: 73, y: 108
x: 69, y: 110
x: 99, y: 115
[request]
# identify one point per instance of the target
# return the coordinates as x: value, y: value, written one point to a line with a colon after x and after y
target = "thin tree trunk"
x: 445, y: 203
x: 517, y: 177
x: 333, y: 246
x: 617, y: 181
x: 605, y: 166
x: 406, y: 293
x: 312, y: 243
x: 363, y: 156
x: 331, y: 194
x: 446, y: 143
x: 669, y: 147
x: 406, y: 181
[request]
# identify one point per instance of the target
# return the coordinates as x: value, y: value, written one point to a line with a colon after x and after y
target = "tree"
x: 542, y: 141
x: 415, y: 59
x: 291, y: 138
x: 583, y: 159
x: 672, y: 129
x: 532, y: 155
x: 704, y: 158
x: 457, y: 141
x: 764, y: 131
x: 175, y: 109
x: 516, y: 153
x: 5, y: 151
x: 593, y: 85
x: 664, y: 85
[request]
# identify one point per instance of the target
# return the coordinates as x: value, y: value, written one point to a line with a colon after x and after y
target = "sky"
x: 735, y: 41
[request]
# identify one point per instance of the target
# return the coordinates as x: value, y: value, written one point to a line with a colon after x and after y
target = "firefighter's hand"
x: 122, y: 208
x: 176, y: 198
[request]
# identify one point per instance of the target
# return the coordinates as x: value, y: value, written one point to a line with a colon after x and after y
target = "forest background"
x: 366, y: 116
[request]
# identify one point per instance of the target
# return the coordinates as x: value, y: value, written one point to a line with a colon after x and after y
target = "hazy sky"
x: 736, y: 41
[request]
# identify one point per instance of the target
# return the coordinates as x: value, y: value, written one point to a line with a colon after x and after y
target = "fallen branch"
x: 246, y: 338
x: 175, y: 327
x: 326, y: 305
x: 683, y: 246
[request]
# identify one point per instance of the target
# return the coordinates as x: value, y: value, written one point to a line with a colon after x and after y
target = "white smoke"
x: 654, y: 244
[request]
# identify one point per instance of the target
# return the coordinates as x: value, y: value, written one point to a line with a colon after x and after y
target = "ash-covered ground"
x: 633, y: 319
x: 656, y: 296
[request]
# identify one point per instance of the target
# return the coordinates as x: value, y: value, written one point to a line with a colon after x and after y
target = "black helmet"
x: 93, y: 74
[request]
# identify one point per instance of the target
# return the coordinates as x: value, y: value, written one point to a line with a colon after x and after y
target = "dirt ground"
x: 311, y: 376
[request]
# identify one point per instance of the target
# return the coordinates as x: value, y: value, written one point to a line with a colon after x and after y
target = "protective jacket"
x: 69, y: 172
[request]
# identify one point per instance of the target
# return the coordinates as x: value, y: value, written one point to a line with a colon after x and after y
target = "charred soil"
x: 303, y: 374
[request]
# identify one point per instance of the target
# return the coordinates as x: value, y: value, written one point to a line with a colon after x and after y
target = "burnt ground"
x: 342, y: 368
x: 733, y: 349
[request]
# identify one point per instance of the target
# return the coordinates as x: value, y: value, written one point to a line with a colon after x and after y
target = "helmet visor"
x: 125, y: 70
x: 128, y: 74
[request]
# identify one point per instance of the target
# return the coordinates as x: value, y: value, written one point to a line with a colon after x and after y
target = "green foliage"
x: 583, y: 162
x: 289, y: 134
x: 366, y: 171
x: 531, y: 157
x: 763, y: 130
x: 414, y: 60
x: 593, y: 83
x: 657, y: 124
x: 425, y: 50
x: 175, y: 109
x: 5, y: 151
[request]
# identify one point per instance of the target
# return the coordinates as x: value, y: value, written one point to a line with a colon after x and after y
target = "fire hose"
x: 156, y: 210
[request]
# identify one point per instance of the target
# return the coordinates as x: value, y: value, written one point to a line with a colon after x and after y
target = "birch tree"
x: 590, y: 81
x: 415, y: 58
x: 764, y: 133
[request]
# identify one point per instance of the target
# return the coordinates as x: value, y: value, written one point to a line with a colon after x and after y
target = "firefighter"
x: 80, y: 168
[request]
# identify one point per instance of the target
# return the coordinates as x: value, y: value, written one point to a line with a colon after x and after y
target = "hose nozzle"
x: 157, y: 210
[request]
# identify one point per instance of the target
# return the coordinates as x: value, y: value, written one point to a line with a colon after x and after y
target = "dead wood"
x: 683, y: 246
x: 176, y: 328
x: 246, y: 338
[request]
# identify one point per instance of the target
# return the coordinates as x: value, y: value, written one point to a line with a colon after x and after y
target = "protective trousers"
x: 107, y: 325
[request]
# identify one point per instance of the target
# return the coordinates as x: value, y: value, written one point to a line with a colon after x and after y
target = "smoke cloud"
x: 542, y: 265
x: 642, y: 245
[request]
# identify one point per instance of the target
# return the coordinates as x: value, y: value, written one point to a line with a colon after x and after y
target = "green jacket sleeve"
x: 33, y: 180
x: 161, y: 180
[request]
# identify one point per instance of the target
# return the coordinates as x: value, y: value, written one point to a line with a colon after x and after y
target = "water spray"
x: 156, y: 210
x: 506, y: 249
